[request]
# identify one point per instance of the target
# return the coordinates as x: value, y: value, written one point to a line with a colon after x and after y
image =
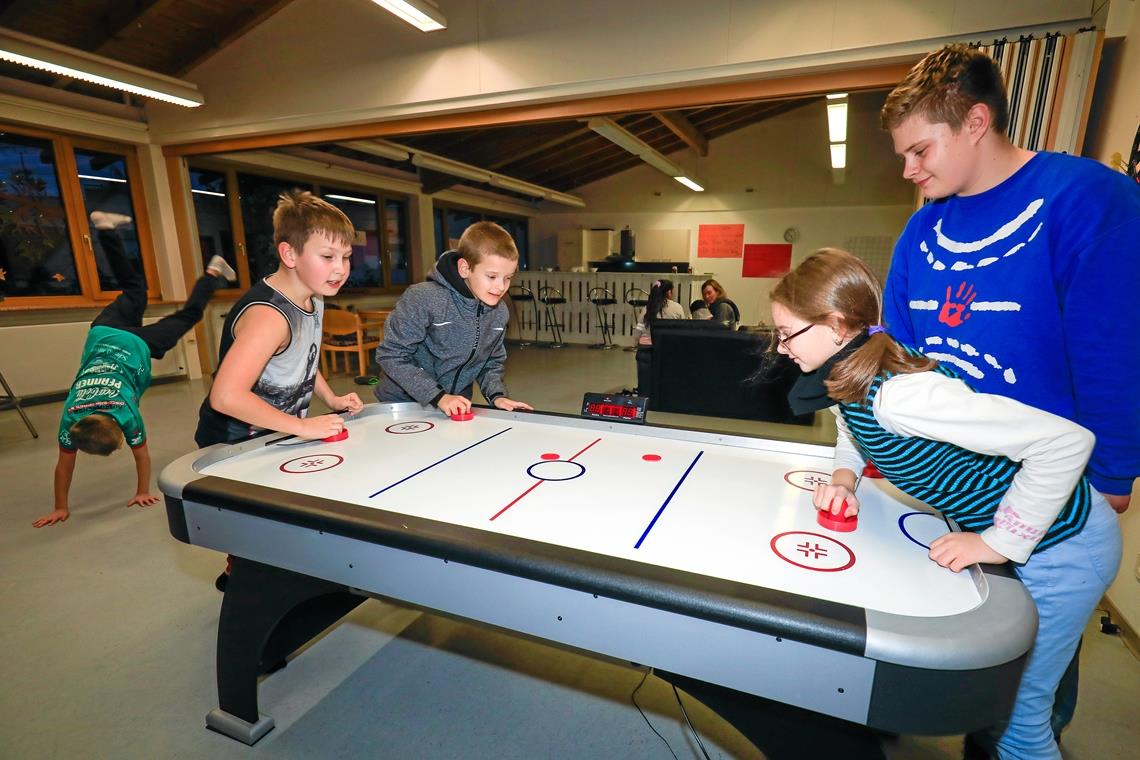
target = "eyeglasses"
x: 785, y: 341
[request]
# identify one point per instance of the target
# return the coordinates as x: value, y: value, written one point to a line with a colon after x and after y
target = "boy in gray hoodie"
x: 447, y: 333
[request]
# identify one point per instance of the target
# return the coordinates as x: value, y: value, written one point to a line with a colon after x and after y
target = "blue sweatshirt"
x: 1030, y: 291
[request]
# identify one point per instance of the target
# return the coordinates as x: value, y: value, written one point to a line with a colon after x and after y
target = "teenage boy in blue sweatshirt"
x: 1022, y: 271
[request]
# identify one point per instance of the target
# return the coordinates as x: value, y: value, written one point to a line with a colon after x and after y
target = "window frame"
x: 91, y: 294
x: 484, y: 215
x: 237, y: 224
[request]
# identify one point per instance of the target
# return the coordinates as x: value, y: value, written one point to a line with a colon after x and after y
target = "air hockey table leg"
x: 780, y: 731
x: 267, y: 613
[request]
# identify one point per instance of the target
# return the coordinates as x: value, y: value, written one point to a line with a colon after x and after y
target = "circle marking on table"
x: 910, y: 536
x: 812, y: 551
x: 311, y: 463
x: 806, y: 480
x: 557, y: 469
x: 407, y: 428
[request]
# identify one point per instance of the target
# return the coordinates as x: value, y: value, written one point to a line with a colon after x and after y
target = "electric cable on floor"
x: 633, y: 698
x: 690, y: 723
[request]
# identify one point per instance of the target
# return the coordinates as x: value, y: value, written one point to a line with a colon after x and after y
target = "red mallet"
x: 871, y: 471
x: 338, y: 437
x: 463, y: 416
x: 839, y: 522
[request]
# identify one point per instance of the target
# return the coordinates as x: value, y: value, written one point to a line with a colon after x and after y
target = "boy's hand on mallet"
x: 450, y: 404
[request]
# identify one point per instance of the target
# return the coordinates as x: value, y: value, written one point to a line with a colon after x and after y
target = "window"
x: 245, y: 237
x: 258, y: 199
x: 36, y: 257
x: 49, y: 185
x: 455, y: 220
x: 209, y: 193
x: 105, y: 185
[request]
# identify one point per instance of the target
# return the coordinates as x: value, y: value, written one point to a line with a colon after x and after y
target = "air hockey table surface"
x: 695, y: 552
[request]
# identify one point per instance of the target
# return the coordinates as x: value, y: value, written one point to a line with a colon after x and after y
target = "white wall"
x: 1115, y: 127
x: 785, y: 162
x: 351, y: 62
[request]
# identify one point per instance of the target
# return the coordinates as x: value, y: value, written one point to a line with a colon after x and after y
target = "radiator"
x: 43, y: 359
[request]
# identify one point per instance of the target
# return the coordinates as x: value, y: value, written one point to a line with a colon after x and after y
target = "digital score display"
x: 617, y: 408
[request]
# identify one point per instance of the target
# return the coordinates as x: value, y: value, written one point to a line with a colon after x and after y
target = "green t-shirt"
x: 113, y: 373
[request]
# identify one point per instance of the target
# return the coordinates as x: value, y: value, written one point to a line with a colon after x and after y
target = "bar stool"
x: 9, y: 400
x: 601, y: 298
x: 551, y: 297
x: 638, y: 299
x: 523, y: 294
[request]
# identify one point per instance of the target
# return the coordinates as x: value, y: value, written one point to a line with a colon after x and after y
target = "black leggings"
x: 126, y: 311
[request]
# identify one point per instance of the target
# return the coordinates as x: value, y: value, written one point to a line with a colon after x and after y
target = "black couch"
x: 702, y: 367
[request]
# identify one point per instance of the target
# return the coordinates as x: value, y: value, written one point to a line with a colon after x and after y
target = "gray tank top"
x: 289, y: 377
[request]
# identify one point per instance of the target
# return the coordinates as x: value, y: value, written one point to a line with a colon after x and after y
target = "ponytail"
x: 850, y: 380
x: 658, y: 295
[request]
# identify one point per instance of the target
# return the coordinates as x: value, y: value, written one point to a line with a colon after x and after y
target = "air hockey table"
x: 696, y: 553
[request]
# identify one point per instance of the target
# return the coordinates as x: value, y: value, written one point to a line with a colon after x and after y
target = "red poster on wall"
x: 766, y: 260
x: 720, y: 241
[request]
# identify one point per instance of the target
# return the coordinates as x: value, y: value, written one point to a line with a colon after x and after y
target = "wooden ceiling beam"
x: 679, y: 125
x: 254, y: 18
x: 540, y: 148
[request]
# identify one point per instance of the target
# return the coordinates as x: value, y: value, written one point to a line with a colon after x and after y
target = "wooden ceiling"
x: 173, y: 36
x: 166, y: 36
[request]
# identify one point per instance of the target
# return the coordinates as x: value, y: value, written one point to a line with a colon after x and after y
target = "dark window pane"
x: 459, y: 220
x: 258, y: 199
x: 517, y: 228
x: 35, y: 251
x: 396, y: 219
x: 106, y: 187
x: 212, y: 214
x: 440, y: 239
x: 362, y: 211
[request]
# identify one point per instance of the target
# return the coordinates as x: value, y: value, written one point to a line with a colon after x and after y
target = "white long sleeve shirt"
x: 1052, y: 451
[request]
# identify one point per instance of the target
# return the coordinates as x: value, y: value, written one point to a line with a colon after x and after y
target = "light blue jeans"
x: 1066, y: 582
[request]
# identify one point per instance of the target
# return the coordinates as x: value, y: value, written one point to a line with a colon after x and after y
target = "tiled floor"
x: 107, y: 629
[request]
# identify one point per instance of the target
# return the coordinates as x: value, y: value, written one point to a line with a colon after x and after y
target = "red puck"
x: 338, y: 437
x: 463, y: 416
x: 839, y: 522
x: 871, y: 471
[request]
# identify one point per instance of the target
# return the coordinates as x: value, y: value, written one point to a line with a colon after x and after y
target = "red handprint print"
x: 954, y: 313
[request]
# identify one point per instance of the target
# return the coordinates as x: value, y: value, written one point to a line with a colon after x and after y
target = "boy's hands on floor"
x: 58, y: 516
x: 143, y: 500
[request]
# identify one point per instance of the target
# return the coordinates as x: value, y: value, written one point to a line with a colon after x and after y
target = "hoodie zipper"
x: 474, y: 348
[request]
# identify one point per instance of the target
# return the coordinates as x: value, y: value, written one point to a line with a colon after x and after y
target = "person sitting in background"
x: 660, y: 305
x: 718, y: 303
x: 698, y: 310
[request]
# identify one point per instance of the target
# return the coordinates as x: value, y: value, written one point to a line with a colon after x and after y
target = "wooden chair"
x: 344, y: 332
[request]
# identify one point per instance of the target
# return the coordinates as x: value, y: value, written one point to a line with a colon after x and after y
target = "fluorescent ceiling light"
x: 836, y: 95
x: 454, y: 168
x: 77, y: 64
x: 380, y: 148
x: 350, y: 198
x: 839, y: 156
x: 691, y: 184
x: 518, y: 186
x: 209, y: 192
x: 618, y: 135
x: 565, y: 199
x: 478, y: 174
x: 837, y: 122
x: 421, y: 14
x: 101, y: 179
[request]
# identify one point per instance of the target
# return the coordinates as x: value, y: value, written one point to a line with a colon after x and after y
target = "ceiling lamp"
x: 618, y: 135
x: 422, y: 14
x: 478, y: 174
x: 77, y: 64
x: 837, y: 128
